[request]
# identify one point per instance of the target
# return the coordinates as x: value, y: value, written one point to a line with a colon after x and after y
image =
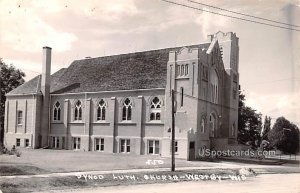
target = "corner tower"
x: 229, y: 44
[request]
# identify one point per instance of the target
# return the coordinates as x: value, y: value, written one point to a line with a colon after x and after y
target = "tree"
x: 249, y: 124
x: 284, y: 136
x: 10, y: 78
x: 266, y: 128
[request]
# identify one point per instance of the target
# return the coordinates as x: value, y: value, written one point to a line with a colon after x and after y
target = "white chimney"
x: 46, y: 70
x: 45, y: 89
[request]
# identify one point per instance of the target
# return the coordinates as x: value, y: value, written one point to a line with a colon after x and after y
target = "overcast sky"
x: 269, y: 57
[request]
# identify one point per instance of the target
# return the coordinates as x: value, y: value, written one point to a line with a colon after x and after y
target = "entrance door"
x: 192, y: 150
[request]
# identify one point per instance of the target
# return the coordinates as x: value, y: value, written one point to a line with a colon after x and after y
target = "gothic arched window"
x: 101, y: 110
x: 56, y: 111
x: 181, y: 96
x: 202, y: 125
x: 127, y: 110
x: 155, y: 110
x: 212, y: 124
x: 214, y: 87
x: 233, y: 130
x: 78, y: 111
x: 186, y: 70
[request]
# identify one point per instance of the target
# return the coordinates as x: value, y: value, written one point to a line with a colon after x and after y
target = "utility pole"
x: 173, y: 132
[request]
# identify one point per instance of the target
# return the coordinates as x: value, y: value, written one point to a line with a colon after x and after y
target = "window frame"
x: 186, y: 69
x: 20, y: 117
x: 101, y: 110
x: 182, y: 70
x: 233, y: 130
x: 176, y: 146
x: 56, y: 114
x: 18, y: 142
x: 126, y: 145
x: 78, y: 111
x: 155, y: 109
x: 55, y: 142
x: 76, y: 143
x: 181, y: 96
x: 155, y: 146
x: 214, y: 87
x: 26, y: 143
x: 127, y: 110
x: 99, y: 142
x: 202, y: 125
x: 212, y: 125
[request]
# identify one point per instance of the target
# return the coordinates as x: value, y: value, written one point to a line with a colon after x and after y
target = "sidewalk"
x: 257, y: 168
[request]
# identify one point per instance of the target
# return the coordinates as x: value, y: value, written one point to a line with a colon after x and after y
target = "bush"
x: 18, y: 153
x: 13, y: 151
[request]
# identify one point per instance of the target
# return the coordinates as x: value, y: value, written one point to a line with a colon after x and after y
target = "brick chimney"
x: 45, y: 89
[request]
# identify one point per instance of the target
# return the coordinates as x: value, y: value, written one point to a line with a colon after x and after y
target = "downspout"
x: 85, y: 97
x: 33, y: 141
x: 49, y: 120
x: 85, y: 121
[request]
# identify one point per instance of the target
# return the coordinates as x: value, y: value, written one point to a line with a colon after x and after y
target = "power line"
x: 248, y: 20
x: 239, y: 13
x: 272, y: 81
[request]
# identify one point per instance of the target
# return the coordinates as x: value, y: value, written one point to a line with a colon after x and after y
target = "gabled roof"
x: 140, y: 70
x: 33, y: 85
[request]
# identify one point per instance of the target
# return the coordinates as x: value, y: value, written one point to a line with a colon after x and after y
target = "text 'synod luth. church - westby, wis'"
x: 122, y: 103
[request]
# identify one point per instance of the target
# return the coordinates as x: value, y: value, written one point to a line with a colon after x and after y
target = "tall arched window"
x: 56, y: 111
x: 127, y: 110
x: 177, y: 70
x: 101, y: 110
x: 214, y: 87
x: 182, y: 70
x: 78, y: 111
x: 203, y: 125
x: 155, y: 110
x: 212, y: 124
x: 233, y: 130
x: 186, y: 70
x: 181, y: 96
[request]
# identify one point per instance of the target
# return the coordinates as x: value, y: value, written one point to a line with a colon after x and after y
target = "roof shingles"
x: 141, y: 70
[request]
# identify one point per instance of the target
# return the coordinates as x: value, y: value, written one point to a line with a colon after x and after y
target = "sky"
x: 269, y: 64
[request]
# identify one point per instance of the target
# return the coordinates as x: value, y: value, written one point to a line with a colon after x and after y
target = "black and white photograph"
x: 149, y: 96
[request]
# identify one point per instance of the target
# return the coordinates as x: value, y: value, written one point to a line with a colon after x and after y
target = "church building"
x: 122, y: 103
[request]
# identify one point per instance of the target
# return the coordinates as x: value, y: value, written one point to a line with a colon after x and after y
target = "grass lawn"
x: 40, y: 161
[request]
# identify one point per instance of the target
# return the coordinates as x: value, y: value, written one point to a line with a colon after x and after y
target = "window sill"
x: 180, y: 111
x: 126, y: 123
x: 77, y: 122
x: 181, y: 77
x: 56, y: 122
x: 154, y: 123
x: 101, y: 122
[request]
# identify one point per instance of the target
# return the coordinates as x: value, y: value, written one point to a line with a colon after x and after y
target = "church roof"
x: 140, y: 70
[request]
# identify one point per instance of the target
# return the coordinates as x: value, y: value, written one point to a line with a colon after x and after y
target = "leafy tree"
x: 266, y: 128
x: 250, y: 124
x: 284, y: 136
x: 10, y: 78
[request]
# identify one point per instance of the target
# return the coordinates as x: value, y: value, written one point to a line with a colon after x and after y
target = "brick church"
x: 122, y: 103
